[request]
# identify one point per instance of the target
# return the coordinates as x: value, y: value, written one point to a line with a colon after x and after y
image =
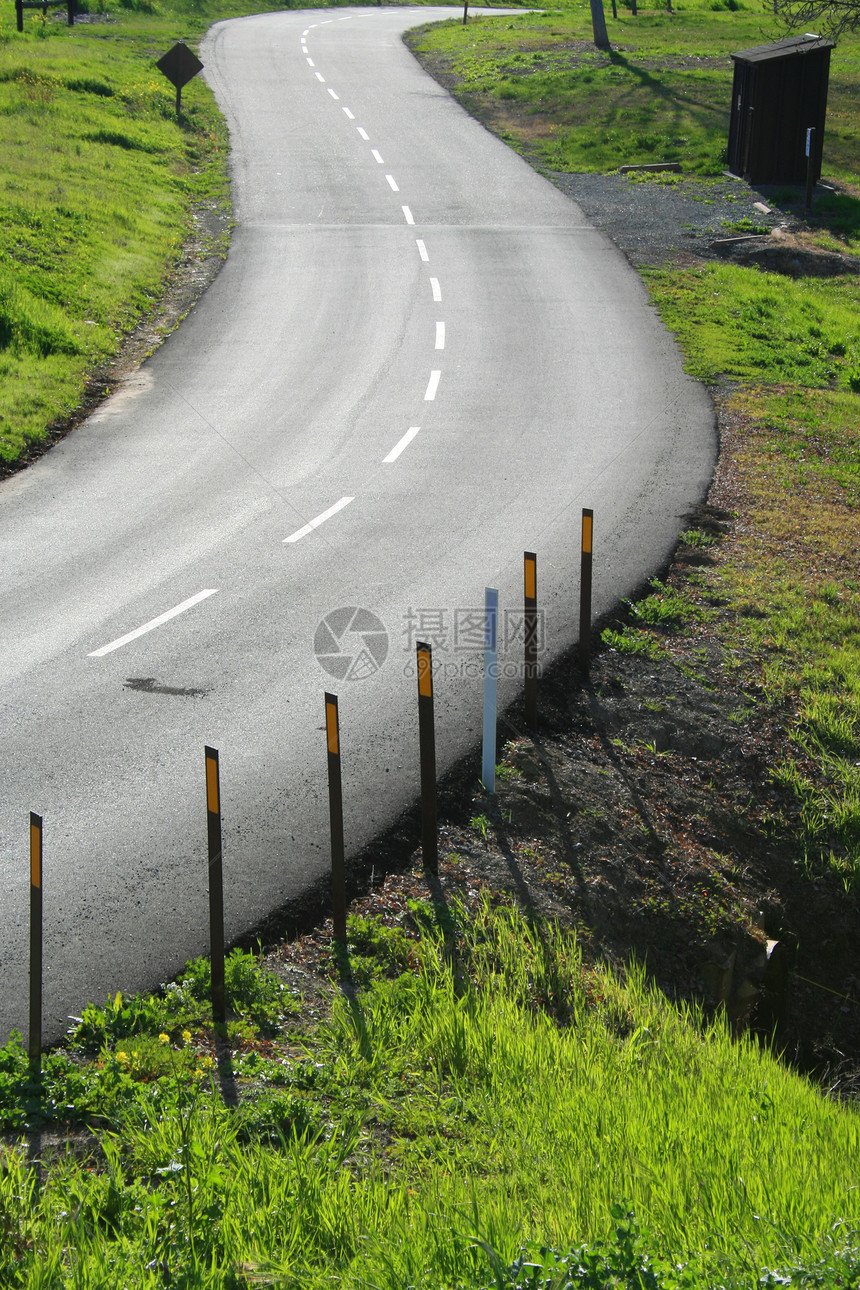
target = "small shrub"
x: 631, y: 641
x: 276, y: 1117
x: 390, y: 949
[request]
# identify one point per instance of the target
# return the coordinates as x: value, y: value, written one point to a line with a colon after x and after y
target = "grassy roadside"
x: 475, y: 1108
x: 86, y: 112
x: 782, y: 356
x: 787, y: 586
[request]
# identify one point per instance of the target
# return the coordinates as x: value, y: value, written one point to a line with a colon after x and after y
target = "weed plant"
x: 498, y: 1115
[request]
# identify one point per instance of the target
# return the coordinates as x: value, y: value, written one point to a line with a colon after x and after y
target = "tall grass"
x: 499, y: 1097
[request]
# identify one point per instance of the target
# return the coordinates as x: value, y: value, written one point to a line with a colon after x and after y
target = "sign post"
x: 180, y: 66
x: 585, y: 590
x: 810, y: 164
x: 216, y: 888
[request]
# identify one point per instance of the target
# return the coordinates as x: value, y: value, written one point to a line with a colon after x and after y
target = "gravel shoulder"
x: 666, y: 219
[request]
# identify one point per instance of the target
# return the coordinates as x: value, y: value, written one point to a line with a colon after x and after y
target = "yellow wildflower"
x: 163, y: 1039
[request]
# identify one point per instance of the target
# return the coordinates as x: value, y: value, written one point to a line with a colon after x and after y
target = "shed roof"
x: 787, y: 48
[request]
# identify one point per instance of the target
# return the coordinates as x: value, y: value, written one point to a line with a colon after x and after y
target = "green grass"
x: 444, y: 1128
x: 85, y: 112
x: 763, y: 327
x: 662, y: 94
x: 792, y: 584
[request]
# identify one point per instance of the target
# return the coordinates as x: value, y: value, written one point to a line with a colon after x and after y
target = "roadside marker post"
x: 34, y: 1045
x: 585, y: 591
x: 491, y: 670
x: 335, y: 808
x: 530, y: 643
x: 427, y: 751
x: 216, y: 888
x: 810, y: 163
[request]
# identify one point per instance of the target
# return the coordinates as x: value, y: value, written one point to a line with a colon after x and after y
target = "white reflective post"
x: 491, y: 670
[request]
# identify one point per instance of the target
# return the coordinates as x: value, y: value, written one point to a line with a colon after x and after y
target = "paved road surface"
x: 418, y: 362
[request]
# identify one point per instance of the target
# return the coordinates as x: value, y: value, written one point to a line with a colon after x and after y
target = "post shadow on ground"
x: 558, y: 803
x: 224, y: 1067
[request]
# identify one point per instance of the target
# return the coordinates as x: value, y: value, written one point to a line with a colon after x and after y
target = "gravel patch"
x: 655, y: 222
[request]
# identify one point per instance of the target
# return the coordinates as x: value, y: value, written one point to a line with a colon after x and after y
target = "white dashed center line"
x: 311, y: 63
x: 392, y: 184
x: 320, y: 77
x: 334, y: 94
x: 422, y: 250
x: 363, y: 134
x: 432, y: 387
x: 376, y: 156
x: 400, y: 445
x: 320, y: 519
x: 153, y: 623
x: 440, y: 335
x: 436, y: 289
x: 349, y: 114
x: 407, y: 215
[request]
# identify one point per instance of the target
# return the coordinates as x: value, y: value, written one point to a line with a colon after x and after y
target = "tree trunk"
x: 598, y: 23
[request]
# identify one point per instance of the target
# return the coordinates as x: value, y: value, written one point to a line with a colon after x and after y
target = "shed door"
x: 741, y: 125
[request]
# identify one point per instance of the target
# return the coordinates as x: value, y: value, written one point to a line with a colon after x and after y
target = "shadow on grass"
x: 834, y: 211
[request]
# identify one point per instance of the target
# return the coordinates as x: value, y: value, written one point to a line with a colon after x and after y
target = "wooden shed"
x: 779, y: 92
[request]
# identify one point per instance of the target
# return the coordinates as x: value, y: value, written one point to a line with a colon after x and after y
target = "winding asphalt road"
x: 418, y: 361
